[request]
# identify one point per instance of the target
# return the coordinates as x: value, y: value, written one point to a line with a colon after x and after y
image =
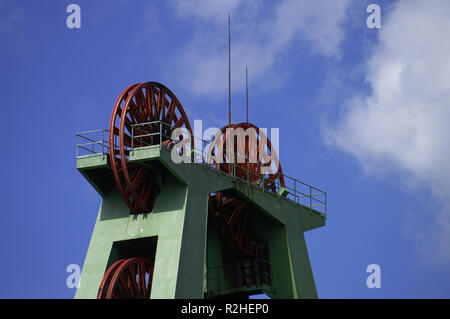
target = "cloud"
x: 261, y: 34
x: 404, y: 121
x: 206, y: 9
x: 10, y: 17
x: 317, y: 21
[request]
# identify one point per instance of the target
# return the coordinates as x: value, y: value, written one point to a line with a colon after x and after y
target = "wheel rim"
x: 234, y: 217
x: 142, y: 103
x: 103, y: 289
x: 249, y: 155
x: 130, y: 279
x: 114, y: 149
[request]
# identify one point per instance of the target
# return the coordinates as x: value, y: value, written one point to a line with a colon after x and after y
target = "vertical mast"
x: 246, y: 91
x: 229, y: 72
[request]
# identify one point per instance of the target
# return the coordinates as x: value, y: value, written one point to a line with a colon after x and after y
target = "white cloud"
x: 261, y: 33
x: 206, y: 9
x: 10, y: 16
x: 405, y: 121
x: 317, y: 21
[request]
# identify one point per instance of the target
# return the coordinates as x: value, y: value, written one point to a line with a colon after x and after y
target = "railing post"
x: 202, y: 152
x: 234, y: 169
x: 160, y: 134
x: 278, y: 178
x: 142, y: 132
x: 262, y: 182
x: 77, y: 146
x: 295, y: 192
x: 103, y: 144
x: 193, y: 150
x: 310, y: 197
x: 248, y: 174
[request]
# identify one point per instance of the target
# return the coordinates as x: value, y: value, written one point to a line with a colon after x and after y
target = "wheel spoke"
x: 232, y: 216
x: 127, y: 279
x: 140, y: 103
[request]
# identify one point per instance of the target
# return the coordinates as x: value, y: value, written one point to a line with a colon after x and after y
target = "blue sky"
x: 362, y: 114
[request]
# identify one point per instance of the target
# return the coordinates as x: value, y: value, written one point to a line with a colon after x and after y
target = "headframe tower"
x: 223, y: 222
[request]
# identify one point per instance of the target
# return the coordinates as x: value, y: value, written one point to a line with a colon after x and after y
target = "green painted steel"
x: 189, y: 256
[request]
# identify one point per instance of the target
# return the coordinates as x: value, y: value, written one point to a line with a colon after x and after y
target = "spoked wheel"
x: 128, y: 279
x: 232, y: 216
x: 234, y: 221
x: 103, y: 290
x: 259, y: 168
x: 114, y: 153
x: 133, y: 125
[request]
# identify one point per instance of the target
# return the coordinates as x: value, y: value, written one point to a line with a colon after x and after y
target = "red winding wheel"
x: 234, y: 217
x: 247, y: 156
x: 234, y: 221
x: 127, y: 279
x: 138, y: 104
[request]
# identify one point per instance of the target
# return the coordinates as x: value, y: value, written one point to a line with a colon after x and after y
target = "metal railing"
x: 292, y: 189
x: 249, y: 274
x: 92, y: 143
x: 158, y: 133
x: 150, y: 133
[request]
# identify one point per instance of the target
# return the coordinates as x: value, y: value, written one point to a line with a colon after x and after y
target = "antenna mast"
x: 229, y: 72
x: 246, y: 90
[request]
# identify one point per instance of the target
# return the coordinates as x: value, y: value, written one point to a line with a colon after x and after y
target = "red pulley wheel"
x: 135, y: 113
x: 234, y: 217
x: 103, y: 290
x: 128, y: 279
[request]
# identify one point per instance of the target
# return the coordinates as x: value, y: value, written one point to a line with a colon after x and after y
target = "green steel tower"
x: 193, y: 228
